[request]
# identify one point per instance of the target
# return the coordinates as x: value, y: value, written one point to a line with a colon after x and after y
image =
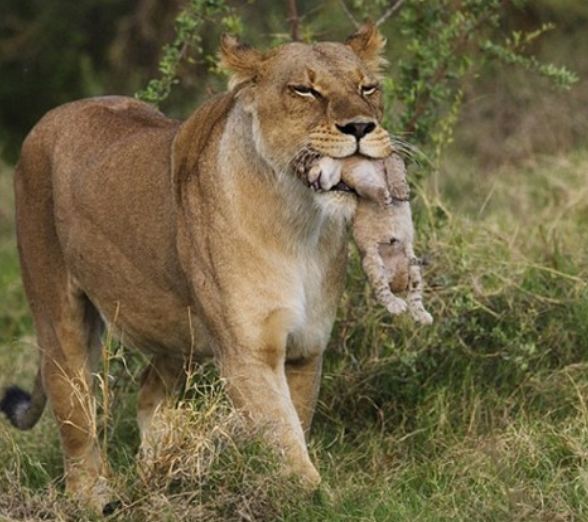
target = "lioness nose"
x: 357, y: 128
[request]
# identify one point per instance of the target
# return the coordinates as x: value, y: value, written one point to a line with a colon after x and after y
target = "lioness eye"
x: 303, y: 90
x: 366, y: 90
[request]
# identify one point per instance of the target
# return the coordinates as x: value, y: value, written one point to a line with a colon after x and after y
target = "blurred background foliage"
x: 52, y: 52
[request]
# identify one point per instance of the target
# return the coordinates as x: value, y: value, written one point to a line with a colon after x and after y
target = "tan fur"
x: 194, y: 240
x: 368, y: 179
x: 383, y: 232
x: 368, y: 43
x: 382, y: 225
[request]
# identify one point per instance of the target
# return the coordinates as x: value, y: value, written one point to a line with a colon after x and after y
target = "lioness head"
x: 324, y: 96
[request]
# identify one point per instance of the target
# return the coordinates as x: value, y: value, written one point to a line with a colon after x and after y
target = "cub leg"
x: 304, y: 382
x: 415, y: 293
x: 374, y: 268
x: 160, y: 380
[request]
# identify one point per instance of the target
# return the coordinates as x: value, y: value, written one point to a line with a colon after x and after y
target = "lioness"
x: 195, y: 239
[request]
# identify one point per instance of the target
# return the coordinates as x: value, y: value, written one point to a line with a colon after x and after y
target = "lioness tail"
x: 23, y: 409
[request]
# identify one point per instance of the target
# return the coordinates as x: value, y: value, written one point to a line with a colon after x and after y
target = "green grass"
x: 482, y: 416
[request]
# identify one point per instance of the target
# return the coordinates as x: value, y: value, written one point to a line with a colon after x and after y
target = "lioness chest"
x: 311, y: 292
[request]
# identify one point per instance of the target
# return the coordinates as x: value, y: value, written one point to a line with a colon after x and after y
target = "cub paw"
x: 396, y: 306
x: 422, y: 316
x: 324, y: 174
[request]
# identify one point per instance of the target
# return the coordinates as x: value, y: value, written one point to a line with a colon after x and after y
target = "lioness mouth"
x: 341, y: 186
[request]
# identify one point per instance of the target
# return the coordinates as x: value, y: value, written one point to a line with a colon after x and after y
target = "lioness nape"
x: 195, y: 237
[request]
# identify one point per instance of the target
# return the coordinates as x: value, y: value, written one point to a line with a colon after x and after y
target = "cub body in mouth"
x: 355, y: 174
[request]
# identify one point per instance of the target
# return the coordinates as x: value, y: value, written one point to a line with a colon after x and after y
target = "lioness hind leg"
x: 67, y: 325
x: 304, y: 382
x: 68, y: 336
x: 159, y: 381
x: 69, y: 352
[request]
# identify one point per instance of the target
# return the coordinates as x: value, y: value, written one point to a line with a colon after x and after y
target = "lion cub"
x: 382, y: 227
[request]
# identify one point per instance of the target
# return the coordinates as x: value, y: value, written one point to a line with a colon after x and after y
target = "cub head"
x: 323, y: 96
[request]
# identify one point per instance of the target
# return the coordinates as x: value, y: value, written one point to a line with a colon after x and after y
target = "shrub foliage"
x: 443, y: 45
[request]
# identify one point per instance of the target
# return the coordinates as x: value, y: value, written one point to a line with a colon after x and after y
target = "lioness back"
x: 93, y: 160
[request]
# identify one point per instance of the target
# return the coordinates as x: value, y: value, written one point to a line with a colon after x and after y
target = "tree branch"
x: 459, y: 43
x: 349, y: 14
x: 390, y: 11
x: 294, y: 20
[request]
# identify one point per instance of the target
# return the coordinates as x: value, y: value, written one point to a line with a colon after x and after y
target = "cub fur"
x: 382, y: 227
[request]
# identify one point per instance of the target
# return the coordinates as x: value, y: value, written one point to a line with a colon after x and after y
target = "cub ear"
x: 368, y: 43
x: 240, y: 59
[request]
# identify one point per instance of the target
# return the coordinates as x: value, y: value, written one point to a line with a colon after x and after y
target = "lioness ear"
x: 368, y: 43
x: 240, y: 59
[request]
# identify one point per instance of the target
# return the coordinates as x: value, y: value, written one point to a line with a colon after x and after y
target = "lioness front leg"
x: 256, y: 382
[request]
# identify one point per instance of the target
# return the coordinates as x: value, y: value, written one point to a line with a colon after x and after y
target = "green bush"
x: 442, y: 45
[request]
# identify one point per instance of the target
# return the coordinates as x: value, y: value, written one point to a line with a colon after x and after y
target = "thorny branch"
x: 349, y: 14
x: 459, y: 43
x: 396, y: 5
x: 390, y: 11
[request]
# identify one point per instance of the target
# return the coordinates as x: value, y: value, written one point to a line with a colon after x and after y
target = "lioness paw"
x: 92, y: 493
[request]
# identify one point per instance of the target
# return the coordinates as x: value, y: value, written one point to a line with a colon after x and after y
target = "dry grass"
x: 209, y: 465
x: 481, y: 417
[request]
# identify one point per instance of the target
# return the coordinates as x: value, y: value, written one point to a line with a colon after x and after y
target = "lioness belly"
x: 157, y: 328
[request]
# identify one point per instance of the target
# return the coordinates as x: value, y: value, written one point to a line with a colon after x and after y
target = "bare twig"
x: 349, y: 14
x: 390, y: 11
x: 294, y: 20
